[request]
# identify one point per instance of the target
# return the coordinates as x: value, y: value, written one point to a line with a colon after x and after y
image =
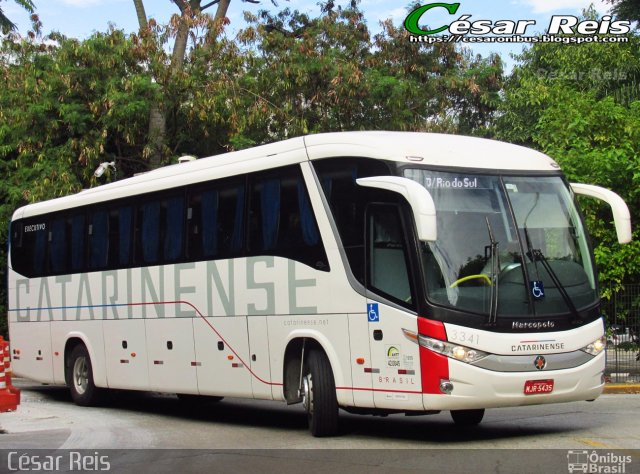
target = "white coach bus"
x: 377, y: 272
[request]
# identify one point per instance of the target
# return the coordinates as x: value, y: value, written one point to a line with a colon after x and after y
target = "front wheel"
x: 319, y: 395
x: 467, y: 417
x: 79, y: 376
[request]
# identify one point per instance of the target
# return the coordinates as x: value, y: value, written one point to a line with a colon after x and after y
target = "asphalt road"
x: 255, y: 436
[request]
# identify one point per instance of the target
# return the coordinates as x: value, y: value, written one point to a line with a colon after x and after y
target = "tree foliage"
x: 6, y: 25
x: 627, y: 9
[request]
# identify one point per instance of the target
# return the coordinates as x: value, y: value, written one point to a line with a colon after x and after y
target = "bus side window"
x: 29, y: 257
x: 125, y: 230
x: 58, y: 246
x: 148, y: 233
x: 173, y: 228
x: 119, y: 236
x: 39, y: 252
x: 99, y: 240
x: 215, y: 220
x: 387, y: 261
x: 348, y: 201
x: 77, y: 243
x: 281, y: 219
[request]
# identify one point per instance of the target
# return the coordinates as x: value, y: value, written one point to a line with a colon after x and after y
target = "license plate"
x: 535, y: 387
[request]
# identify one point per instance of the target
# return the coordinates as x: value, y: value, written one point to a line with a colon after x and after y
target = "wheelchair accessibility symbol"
x: 372, y: 313
x: 537, y: 289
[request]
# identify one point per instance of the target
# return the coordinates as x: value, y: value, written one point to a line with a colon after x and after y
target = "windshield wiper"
x: 493, y: 305
x: 536, y: 255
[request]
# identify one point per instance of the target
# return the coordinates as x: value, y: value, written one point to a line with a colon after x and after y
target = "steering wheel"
x: 480, y: 276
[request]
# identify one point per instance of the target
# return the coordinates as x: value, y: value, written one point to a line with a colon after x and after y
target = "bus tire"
x: 467, y: 417
x: 79, y: 376
x: 319, y: 395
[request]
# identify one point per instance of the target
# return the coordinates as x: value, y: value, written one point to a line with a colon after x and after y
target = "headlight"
x: 454, y: 351
x: 596, y: 347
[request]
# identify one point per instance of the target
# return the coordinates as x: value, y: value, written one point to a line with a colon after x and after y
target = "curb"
x: 622, y: 388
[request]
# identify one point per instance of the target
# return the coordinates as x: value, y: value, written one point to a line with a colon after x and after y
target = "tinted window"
x: 99, y: 240
x: 387, y: 256
x: 348, y: 201
x: 77, y: 243
x: 216, y: 220
x: 58, y: 246
x: 281, y: 220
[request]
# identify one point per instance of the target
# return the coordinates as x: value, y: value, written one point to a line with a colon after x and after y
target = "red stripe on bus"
x: 435, y: 329
x: 433, y: 367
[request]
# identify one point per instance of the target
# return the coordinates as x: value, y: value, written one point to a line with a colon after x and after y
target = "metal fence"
x: 622, y: 313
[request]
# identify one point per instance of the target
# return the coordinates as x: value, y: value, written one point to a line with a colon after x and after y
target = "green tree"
x: 66, y: 106
x: 7, y: 25
x: 328, y: 74
x: 627, y: 9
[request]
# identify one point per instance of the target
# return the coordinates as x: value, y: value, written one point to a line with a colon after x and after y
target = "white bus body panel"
x: 35, y: 358
x: 479, y: 388
x: 225, y: 371
x: 525, y: 343
x: 127, y: 367
x: 362, y: 380
x: 260, y: 364
x: 170, y: 352
x: 397, y: 382
x: 476, y: 387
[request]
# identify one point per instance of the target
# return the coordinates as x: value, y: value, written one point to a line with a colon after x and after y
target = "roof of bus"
x: 408, y: 147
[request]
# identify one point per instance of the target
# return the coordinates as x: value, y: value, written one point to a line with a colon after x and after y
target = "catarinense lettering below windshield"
x: 507, y: 246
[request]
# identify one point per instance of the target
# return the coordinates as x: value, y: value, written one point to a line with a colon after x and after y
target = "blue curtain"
x: 237, y: 239
x: 150, y: 237
x: 209, y: 224
x: 124, y: 235
x: 310, y: 233
x: 174, y: 226
x: 77, y: 243
x: 270, y: 207
x: 99, y: 240
x: 58, y: 246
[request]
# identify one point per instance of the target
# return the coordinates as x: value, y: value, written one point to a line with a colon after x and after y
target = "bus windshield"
x: 507, y: 246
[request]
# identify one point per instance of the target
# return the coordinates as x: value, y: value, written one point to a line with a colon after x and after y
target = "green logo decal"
x: 411, y: 22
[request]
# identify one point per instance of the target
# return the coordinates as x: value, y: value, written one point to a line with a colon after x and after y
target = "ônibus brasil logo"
x: 561, y: 29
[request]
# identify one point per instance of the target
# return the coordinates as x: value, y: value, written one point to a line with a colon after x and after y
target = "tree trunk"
x: 223, y: 6
x: 157, y: 112
x: 142, y: 16
x: 180, y: 46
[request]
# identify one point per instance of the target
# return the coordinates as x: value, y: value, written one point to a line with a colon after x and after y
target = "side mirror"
x: 621, y: 216
x: 422, y: 206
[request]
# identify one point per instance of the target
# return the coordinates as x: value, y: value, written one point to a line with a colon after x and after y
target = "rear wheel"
x: 319, y: 395
x: 79, y: 376
x: 467, y: 417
